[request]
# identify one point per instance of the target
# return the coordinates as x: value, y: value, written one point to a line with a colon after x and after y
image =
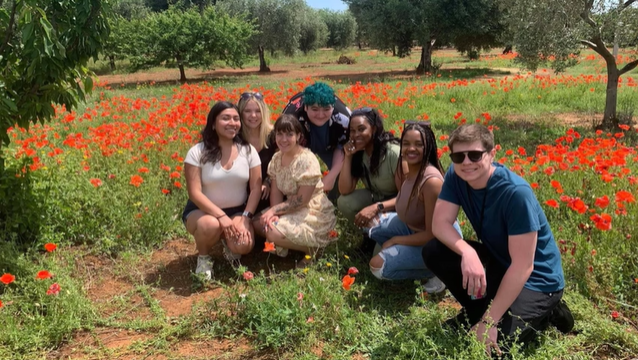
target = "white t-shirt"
x: 225, y: 188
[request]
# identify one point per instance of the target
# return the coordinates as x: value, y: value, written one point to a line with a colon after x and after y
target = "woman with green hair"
x: 324, y: 119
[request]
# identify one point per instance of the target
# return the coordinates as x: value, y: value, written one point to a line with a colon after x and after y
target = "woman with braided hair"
x: 403, y: 234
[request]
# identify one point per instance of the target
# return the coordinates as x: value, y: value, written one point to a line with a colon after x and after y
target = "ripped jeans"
x: 400, y: 262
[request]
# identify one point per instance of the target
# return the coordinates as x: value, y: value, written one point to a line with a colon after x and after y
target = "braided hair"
x: 430, y: 154
x: 380, y: 140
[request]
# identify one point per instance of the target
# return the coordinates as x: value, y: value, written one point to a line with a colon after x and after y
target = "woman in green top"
x: 371, y: 154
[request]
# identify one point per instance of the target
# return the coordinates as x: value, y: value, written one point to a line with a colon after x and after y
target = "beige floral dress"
x: 310, y: 225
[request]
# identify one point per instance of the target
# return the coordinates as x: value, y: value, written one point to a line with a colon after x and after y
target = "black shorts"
x: 230, y: 212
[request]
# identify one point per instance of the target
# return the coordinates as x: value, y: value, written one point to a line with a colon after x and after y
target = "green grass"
x: 377, y: 319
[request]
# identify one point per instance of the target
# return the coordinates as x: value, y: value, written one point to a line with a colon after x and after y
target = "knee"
x: 376, y: 267
x: 430, y: 253
x: 347, y: 206
x: 208, y: 226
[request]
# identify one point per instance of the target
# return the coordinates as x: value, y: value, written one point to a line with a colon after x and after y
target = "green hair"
x: 320, y: 94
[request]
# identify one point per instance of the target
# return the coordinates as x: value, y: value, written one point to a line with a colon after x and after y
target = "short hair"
x: 468, y: 133
x: 287, y: 123
x: 319, y: 93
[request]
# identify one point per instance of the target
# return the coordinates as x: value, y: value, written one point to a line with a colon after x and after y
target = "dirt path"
x: 135, y: 297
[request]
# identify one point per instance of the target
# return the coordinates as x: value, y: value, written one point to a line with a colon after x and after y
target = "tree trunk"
x: 262, y: 60
x: 359, y: 44
x: 112, y: 62
x: 180, y: 64
x: 425, y: 64
x: 610, y: 118
x: 394, y: 50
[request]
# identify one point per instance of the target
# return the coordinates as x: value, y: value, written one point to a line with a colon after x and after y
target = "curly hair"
x: 430, y: 154
x: 320, y: 94
x: 265, y: 127
x: 212, y: 150
x: 380, y: 140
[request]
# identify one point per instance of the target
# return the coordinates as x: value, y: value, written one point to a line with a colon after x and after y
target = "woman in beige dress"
x: 304, y: 220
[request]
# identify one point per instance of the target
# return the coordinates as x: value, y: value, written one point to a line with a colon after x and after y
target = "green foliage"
x: 131, y: 9
x: 314, y: 32
x: 188, y: 38
x: 32, y: 320
x: 278, y: 23
x: 44, y: 48
x: 342, y: 28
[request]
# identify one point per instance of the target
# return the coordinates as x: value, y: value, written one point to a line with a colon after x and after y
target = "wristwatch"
x: 247, y: 214
x: 380, y: 206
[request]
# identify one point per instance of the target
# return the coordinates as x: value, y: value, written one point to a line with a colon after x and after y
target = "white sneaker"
x: 434, y: 286
x: 280, y: 251
x: 205, y: 267
x: 230, y: 256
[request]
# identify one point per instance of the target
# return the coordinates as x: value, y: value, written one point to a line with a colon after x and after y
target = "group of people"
x: 251, y: 178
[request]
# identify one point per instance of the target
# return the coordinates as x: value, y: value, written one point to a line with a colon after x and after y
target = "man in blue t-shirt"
x: 512, y: 279
x: 325, y: 128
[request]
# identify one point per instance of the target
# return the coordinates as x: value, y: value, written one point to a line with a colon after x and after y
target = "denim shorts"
x: 400, y: 261
x: 230, y: 212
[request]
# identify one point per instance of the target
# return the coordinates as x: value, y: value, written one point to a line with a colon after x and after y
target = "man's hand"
x: 473, y: 273
x: 487, y: 336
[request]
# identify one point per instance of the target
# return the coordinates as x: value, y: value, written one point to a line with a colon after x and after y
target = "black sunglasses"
x: 250, y: 95
x: 365, y: 111
x: 418, y: 123
x: 474, y: 156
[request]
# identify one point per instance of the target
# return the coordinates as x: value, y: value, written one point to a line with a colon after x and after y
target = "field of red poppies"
x: 103, y: 185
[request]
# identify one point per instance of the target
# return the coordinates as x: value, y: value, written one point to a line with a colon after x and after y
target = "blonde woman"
x: 256, y: 129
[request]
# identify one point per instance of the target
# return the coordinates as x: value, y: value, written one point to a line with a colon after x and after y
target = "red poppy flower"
x: 248, y: 275
x: 625, y: 196
x: 269, y: 246
x: 333, y: 234
x: 7, y: 279
x: 165, y: 191
x: 353, y: 271
x: 136, y: 180
x: 602, y: 202
x: 553, y: 203
x: 43, y: 274
x: 347, y: 281
x: 54, y: 289
x: 50, y: 247
x: 614, y: 314
x: 96, y: 182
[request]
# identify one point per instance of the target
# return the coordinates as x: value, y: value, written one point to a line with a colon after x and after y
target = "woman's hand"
x: 389, y: 243
x: 227, y: 227
x: 363, y: 218
x: 266, y: 218
x: 349, y: 149
x: 242, y: 229
x: 265, y: 191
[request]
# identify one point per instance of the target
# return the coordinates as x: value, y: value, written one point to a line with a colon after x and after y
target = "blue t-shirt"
x: 511, y: 208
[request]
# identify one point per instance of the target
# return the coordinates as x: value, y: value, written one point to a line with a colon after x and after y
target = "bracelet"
x: 489, y: 323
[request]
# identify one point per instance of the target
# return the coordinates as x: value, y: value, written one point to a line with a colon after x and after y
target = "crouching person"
x: 510, y: 283
x: 402, y: 234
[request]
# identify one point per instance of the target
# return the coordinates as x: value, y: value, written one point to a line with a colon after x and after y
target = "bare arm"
x: 296, y: 201
x: 276, y: 196
x: 255, y: 189
x: 337, y: 164
x: 521, y: 250
x: 347, y: 183
x: 194, y: 185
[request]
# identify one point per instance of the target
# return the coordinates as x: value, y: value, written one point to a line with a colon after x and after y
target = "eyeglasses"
x: 250, y: 95
x: 418, y: 123
x: 474, y: 156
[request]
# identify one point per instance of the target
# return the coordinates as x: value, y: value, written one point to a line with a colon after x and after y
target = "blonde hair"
x: 265, y: 127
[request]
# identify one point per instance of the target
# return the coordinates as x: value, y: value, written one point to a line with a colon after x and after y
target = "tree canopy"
x: 342, y: 28
x: 44, y: 49
x: 551, y: 31
x: 183, y: 38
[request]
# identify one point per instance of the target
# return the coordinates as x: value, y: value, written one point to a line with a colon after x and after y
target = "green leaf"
x: 10, y: 104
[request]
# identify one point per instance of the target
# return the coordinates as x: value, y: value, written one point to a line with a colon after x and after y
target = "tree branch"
x: 627, y: 68
x: 626, y: 4
x: 7, y: 37
x: 589, y: 43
